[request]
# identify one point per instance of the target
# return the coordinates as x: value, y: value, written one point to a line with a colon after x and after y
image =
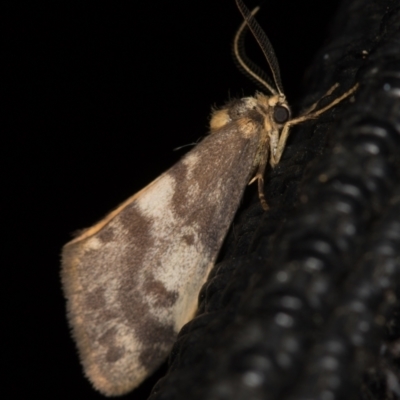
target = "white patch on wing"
x: 155, y: 201
x: 172, y: 270
x: 172, y: 266
x: 191, y: 160
x: 94, y: 243
x: 193, y: 192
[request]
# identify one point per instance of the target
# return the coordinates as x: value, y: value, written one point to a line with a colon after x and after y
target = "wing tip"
x: 108, y: 384
x: 107, y: 378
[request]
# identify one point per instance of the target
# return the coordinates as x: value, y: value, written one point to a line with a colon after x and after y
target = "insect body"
x: 132, y: 280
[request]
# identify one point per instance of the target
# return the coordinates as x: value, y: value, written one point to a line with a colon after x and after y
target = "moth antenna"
x: 245, y: 65
x: 264, y: 44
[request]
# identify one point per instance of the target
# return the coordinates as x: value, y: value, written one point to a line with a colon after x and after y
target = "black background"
x: 97, y: 97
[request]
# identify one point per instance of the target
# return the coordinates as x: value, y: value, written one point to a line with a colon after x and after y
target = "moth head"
x: 279, y: 109
x: 275, y: 110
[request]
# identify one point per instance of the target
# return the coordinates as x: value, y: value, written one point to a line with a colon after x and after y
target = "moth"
x: 132, y: 280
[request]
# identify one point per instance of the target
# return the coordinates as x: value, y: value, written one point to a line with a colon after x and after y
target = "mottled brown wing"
x: 132, y: 280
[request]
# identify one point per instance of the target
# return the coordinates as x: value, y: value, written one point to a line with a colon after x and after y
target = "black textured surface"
x: 305, y: 304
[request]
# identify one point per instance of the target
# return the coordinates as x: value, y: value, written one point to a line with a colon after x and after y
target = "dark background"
x: 97, y: 97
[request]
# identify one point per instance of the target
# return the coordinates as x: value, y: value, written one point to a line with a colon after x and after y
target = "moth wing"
x: 133, y: 279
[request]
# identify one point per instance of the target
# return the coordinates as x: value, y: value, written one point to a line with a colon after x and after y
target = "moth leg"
x: 261, y: 196
x: 260, y: 176
x: 314, y: 105
x: 315, y: 114
x: 282, y: 143
x: 306, y: 117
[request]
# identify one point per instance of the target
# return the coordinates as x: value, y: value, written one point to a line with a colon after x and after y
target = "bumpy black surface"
x: 305, y: 304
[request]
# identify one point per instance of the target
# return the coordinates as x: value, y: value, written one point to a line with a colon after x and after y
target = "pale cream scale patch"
x: 184, y: 272
x: 179, y: 268
x: 94, y: 244
x: 192, y: 193
x: 191, y: 161
x: 155, y: 201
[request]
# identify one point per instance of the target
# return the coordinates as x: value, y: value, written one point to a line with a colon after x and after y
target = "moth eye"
x: 281, y: 114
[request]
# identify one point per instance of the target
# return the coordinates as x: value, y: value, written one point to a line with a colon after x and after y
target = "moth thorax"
x: 233, y: 111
